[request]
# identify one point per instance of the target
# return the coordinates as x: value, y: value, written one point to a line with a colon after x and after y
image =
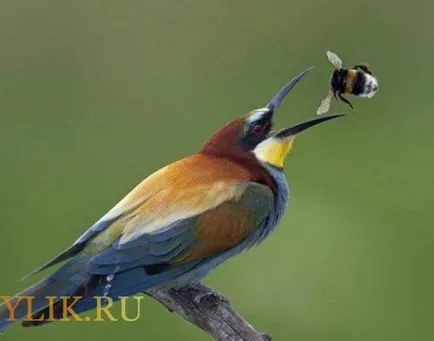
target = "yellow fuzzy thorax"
x: 274, y: 150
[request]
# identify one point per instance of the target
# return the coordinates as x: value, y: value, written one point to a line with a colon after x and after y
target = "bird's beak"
x: 275, y: 148
x: 280, y: 96
x: 268, y: 112
x: 298, y: 128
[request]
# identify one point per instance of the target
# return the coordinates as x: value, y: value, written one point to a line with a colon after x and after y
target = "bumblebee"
x: 357, y: 80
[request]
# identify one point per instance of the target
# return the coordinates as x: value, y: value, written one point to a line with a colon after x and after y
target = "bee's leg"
x: 336, y: 97
x: 345, y: 100
x: 363, y: 68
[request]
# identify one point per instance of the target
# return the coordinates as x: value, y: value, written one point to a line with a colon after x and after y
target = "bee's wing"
x: 334, y: 59
x: 325, y: 104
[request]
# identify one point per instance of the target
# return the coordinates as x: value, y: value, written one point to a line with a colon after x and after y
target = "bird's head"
x: 277, y: 146
x: 244, y: 133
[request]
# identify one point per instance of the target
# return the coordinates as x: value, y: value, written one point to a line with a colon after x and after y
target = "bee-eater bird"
x: 180, y: 222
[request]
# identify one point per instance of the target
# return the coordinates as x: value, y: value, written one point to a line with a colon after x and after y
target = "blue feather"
x: 4, y: 325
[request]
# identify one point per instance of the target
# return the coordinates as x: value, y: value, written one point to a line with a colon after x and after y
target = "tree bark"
x: 208, y: 310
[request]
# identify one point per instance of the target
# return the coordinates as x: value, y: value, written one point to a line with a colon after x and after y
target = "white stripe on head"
x: 257, y: 114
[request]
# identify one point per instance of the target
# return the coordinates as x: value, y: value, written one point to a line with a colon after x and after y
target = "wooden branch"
x: 208, y: 310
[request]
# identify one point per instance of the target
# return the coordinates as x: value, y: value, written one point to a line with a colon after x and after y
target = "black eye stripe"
x: 257, y: 130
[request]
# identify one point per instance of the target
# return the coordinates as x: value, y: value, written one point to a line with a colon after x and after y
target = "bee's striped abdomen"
x: 369, y: 86
x: 359, y: 84
x: 349, y: 80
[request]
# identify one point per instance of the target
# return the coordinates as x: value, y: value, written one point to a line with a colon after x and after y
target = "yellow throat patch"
x: 274, y: 150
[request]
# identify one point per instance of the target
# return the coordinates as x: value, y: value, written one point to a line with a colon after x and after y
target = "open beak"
x: 275, y: 149
x: 298, y: 128
x: 280, y: 96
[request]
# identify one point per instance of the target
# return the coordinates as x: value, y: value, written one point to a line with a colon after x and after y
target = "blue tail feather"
x: 4, y: 325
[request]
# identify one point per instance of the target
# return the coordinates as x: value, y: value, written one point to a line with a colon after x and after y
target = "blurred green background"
x: 96, y: 95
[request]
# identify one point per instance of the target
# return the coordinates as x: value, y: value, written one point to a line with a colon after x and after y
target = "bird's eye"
x: 257, y: 130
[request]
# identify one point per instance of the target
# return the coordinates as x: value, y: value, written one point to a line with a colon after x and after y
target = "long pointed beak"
x: 280, y: 96
x: 298, y: 128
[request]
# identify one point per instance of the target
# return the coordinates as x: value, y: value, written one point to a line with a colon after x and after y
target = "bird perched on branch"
x: 179, y: 223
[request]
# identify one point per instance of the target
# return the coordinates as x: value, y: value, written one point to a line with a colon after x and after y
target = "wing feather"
x: 174, y: 193
x: 196, y: 239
